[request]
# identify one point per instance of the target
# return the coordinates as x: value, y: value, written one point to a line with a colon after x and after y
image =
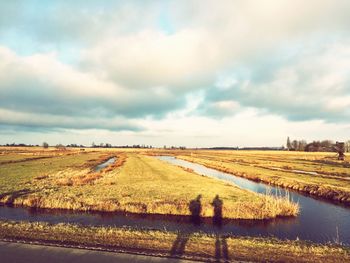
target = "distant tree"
x: 60, y: 146
x: 289, y: 145
x: 301, y: 145
x: 45, y: 145
x: 327, y: 144
x: 347, y: 146
x: 314, y: 146
x: 295, y: 145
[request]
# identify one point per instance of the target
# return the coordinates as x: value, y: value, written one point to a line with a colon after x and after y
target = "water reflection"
x: 105, y: 164
x: 318, y: 220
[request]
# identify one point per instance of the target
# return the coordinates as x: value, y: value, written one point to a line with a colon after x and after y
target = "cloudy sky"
x: 194, y: 73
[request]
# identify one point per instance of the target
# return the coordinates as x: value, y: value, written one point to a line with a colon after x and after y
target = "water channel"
x: 319, y: 220
x: 104, y: 164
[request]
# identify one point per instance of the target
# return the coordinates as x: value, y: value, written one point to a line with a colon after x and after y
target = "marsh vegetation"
x: 319, y: 174
x: 135, y: 183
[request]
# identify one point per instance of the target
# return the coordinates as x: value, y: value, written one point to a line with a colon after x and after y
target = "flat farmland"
x: 139, y: 185
x: 136, y: 183
x: 319, y: 174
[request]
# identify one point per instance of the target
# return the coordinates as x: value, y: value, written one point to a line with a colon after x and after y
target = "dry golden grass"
x: 197, y: 246
x: 266, y: 167
x: 136, y: 184
x: 87, y: 178
x: 103, y: 157
x: 121, y: 159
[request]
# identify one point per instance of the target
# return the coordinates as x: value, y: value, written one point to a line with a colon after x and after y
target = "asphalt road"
x: 26, y: 253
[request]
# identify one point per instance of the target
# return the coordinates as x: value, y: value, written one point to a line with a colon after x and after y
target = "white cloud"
x: 48, y: 121
x: 152, y: 58
x: 247, y: 128
x: 40, y: 83
x: 312, y: 84
x: 285, y: 58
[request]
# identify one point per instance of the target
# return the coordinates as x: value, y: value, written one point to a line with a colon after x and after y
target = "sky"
x: 184, y: 73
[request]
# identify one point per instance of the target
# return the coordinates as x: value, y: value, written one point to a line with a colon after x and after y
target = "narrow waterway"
x: 104, y: 164
x: 319, y: 221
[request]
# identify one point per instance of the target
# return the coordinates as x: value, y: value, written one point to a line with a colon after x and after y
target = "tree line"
x: 314, y: 146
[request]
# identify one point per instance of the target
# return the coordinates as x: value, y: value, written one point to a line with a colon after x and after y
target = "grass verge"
x: 183, y: 245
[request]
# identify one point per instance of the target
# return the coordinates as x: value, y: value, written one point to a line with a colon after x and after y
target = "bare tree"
x: 301, y: 145
x: 347, y: 146
x: 327, y: 144
x: 289, y: 145
x: 45, y: 145
x: 60, y: 146
x: 295, y: 145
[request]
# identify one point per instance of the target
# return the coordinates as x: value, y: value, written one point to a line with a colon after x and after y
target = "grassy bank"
x: 135, y: 183
x: 282, y: 169
x: 183, y: 245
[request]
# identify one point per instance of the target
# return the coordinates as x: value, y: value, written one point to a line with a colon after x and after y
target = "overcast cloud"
x: 163, y: 72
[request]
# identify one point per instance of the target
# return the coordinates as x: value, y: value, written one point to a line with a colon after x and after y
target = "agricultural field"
x: 319, y: 174
x: 135, y: 183
x: 138, y: 183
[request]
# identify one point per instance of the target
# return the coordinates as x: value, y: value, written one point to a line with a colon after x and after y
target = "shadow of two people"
x: 221, y: 248
x: 195, y: 208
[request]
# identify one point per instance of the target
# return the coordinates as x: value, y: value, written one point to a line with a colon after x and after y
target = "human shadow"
x: 179, y: 245
x: 221, y: 249
x: 217, y: 207
x: 195, y: 208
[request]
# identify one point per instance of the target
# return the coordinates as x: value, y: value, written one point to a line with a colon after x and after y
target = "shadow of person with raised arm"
x: 179, y: 245
x: 217, y: 215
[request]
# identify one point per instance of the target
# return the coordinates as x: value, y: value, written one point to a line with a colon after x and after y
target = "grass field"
x: 196, y: 246
x: 139, y: 183
x: 318, y: 174
x: 136, y: 183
